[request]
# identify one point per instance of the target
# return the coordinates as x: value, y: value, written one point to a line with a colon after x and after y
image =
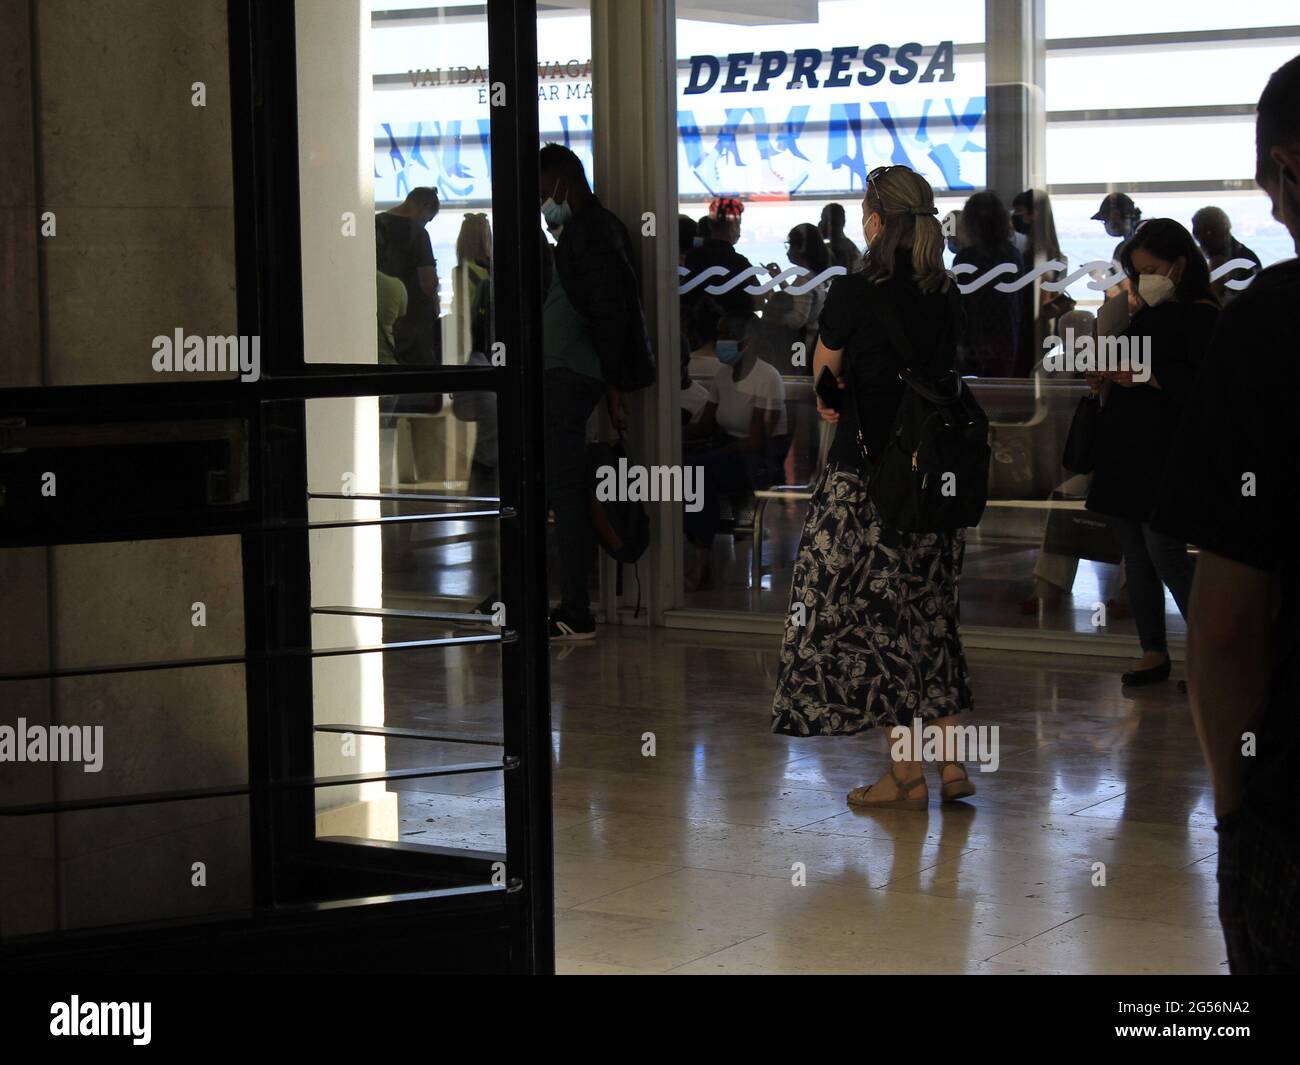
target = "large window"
x: 788, y: 114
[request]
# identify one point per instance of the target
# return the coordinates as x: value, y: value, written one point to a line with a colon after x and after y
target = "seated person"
x: 700, y: 325
x: 740, y: 438
x: 695, y: 397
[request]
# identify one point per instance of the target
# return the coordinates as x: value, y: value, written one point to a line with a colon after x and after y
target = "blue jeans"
x: 1152, y: 562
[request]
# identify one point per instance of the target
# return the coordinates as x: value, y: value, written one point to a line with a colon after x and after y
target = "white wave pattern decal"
x: 1231, y: 266
x: 1104, y: 275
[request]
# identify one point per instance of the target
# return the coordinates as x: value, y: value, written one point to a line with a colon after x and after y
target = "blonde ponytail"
x: 905, y: 203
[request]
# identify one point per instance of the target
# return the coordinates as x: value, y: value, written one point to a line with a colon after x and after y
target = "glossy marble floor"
x: 731, y: 850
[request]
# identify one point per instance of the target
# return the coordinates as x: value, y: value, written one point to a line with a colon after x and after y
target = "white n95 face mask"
x: 1154, y: 288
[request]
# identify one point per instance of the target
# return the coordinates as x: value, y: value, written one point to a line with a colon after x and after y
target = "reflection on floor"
x: 996, y: 578
x: 458, y: 561
x: 686, y: 861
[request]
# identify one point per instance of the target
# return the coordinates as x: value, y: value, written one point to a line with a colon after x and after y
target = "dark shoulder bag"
x: 933, y: 474
x: 1081, y: 440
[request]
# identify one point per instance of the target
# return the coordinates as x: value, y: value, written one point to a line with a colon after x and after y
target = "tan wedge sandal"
x: 860, y: 797
x: 957, y: 789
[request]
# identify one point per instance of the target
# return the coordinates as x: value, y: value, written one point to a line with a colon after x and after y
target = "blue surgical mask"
x: 728, y: 352
x: 556, y: 214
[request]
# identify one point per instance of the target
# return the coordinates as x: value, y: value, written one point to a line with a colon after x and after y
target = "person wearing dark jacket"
x: 843, y: 252
x: 718, y: 249
x: 1232, y: 488
x: 1212, y: 229
x: 1177, y: 314
x: 990, y: 335
x: 594, y: 344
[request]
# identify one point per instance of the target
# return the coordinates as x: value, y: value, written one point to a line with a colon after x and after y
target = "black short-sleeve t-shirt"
x: 402, y: 248
x: 1232, y: 485
x: 850, y: 321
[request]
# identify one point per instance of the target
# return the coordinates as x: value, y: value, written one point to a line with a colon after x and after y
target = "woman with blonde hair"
x: 471, y: 298
x: 871, y: 638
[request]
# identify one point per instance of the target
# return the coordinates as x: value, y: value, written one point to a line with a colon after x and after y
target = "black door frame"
x: 304, y: 890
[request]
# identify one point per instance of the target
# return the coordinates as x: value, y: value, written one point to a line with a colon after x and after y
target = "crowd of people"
x: 1190, y: 453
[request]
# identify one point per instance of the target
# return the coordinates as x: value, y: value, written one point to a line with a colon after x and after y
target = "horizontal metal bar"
x: 506, y: 636
x: 1177, y: 37
x: 1151, y: 114
x: 392, y: 612
x: 419, y: 773
x: 403, y: 497
x: 1134, y: 188
x: 407, y: 734
x: 153, y: 798
x: 317, y: 381
x: 398, y: 897
x: 124, y: 667
x: 391, y: 519
x: 153, y: 527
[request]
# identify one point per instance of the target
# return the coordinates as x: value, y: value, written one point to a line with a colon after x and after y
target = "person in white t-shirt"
x: 740, y: 439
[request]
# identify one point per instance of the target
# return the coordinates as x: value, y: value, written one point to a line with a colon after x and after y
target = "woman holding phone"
x: 1140, y: 413
x: 871, y: 638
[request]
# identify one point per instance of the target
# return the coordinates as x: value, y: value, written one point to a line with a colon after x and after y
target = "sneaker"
x: 563, y: 628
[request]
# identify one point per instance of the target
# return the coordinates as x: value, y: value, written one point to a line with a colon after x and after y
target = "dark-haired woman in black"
x: 990, y: 335
x: 1139, y: 415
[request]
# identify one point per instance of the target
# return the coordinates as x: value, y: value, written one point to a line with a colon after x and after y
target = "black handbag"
x: 1081, y: 440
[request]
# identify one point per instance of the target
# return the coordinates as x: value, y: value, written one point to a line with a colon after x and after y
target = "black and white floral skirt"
x: 876, y: 640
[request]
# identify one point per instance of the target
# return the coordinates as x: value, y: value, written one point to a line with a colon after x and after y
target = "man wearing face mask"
x: 594, y: 344
x: 1166, y: 343
x: 1232, y: 490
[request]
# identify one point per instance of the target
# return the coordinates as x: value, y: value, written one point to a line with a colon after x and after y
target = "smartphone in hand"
x: 828, y: 389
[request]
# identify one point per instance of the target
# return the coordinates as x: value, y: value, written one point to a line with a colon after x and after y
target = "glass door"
x: 339, y: 481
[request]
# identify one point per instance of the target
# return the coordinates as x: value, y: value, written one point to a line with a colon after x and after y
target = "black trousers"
x: 1152, y: 562
x: 570, y: 399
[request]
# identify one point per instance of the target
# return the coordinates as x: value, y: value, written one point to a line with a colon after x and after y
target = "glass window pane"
x: 1210, y: 75
x: 1065, y: 18
x: 395, y: 159
x: 374, y: 586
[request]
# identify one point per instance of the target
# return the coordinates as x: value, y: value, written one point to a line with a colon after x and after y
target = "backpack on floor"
x: 622, y: 525
x: 933, y: 474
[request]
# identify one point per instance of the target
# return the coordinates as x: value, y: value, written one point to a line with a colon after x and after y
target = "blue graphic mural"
x: 823, y: 149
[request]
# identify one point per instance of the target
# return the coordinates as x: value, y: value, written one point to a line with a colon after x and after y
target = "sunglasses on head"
x: 880, y: 171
